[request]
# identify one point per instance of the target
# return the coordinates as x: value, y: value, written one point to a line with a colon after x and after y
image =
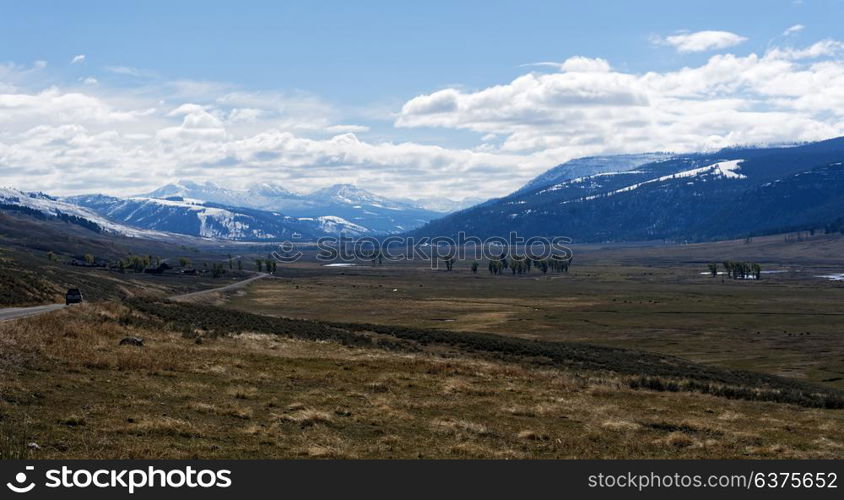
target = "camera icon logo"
x: 20, y: 479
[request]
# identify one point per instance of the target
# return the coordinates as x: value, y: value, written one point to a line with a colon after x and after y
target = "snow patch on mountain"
x: 337, y: 225
x: 581, y: 180
x: 53, y: 207
x: 590, y: 166
x: 375, y: 213
x: 723, y: 169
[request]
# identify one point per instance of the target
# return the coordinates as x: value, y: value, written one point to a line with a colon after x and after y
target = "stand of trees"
x: 738, y: 270
x: 523, y: 265
x: 217, y: 270
x: 135, y: 263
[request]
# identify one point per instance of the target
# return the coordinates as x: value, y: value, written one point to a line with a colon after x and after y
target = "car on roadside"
x: 73, y: 296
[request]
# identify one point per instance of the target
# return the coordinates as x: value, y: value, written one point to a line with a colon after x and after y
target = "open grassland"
x: 632, y: 354
x: 652, y: 299
x: 68, y: 390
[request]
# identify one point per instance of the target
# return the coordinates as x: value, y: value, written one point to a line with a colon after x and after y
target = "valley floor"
x: 70, y: 391
x: 385, y: 362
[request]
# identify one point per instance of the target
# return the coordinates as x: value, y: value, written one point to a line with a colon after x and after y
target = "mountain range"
x: 43, y: 206
x: 262, y: 212
x: 346, y: 204
x: 730, y: 193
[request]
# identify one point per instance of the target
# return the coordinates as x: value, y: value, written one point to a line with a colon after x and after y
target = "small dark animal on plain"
x: 135, y: 341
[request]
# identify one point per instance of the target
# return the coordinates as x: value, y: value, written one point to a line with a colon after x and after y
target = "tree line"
x: 737, y: 270
x: 135, y: 263
x: 268, y: 265
x: 523, y: 264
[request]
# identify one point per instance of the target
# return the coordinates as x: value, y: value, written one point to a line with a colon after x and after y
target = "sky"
x: 406, y: 99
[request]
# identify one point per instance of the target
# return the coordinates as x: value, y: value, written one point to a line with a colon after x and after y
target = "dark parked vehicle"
x: 73, y: 296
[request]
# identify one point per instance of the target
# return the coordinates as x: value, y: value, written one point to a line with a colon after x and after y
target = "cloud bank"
x: 587, y: 108
x: 95, y: 137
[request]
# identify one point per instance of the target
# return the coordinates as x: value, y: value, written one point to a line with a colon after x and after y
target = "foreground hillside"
x: 314, y: 390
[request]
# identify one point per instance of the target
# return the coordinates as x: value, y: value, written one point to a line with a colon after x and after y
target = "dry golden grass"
x: 67, y: 385
x: 306, y: 417
x: 629, y: 297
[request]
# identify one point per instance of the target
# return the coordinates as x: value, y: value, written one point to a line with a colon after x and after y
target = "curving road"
x: 12, y: 313
x: 233, y: 286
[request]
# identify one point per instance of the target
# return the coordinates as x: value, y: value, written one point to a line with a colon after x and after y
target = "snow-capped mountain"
x: 727, y: 194
x: 589, y: 166
x: 174, y: 217
x: 730, y: 193
x: 374, y: 214
x: 212, y: 220
x: 207, y: 191
x: 45, y: 206
x: 349, y: 194
x: 268, y: 190
x: 443, y: 205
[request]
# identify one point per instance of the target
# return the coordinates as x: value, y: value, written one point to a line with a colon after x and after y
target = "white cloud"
x: 784, y: 95
x: 130, y: 71
x: 126, y: 141
x: 701, y: 41
x: 78, y: 59
x: 550, y: 64
x: 580, y: 64
x: 130, y: 139
x: 824, y: 48
x: 793, y: 29
x: 343, y: 128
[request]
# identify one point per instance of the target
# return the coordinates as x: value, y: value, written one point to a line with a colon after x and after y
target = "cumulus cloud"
x: 130, y: 139
x: 786, y: 94
x: 78, y: 59
x: 579, y: 64
x: 701, y: 41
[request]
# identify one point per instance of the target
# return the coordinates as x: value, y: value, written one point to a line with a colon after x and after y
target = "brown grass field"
x: 72, y: 391
x: 202, y: 387
x: 653, y: 299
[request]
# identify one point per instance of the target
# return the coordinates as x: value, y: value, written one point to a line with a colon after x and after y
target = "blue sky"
x: 310, y: 93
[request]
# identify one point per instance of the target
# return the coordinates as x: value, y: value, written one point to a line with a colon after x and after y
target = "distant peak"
x: 269, y: 189
x: 342, y: 189
x: 197, y: 185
